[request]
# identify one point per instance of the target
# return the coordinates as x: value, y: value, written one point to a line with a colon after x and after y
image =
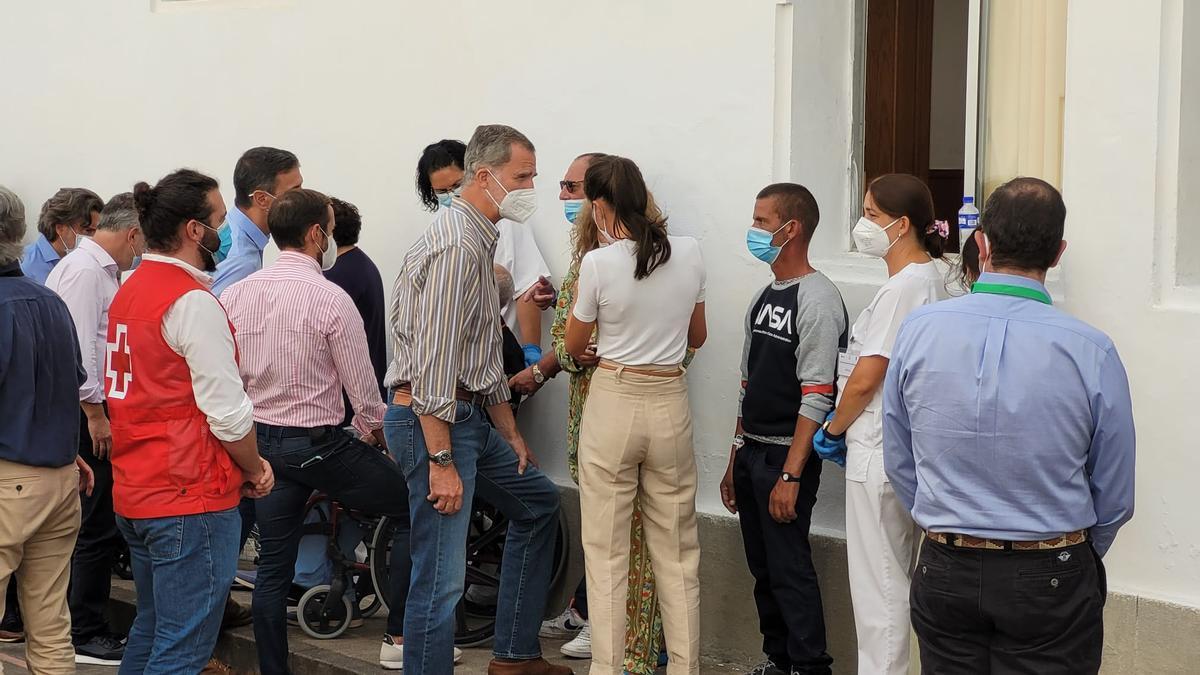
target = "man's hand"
x: 524, y: 383
x: 100, y: 431
x: 87, y: 478
x: 541, y: 294
x: 525, y: 456
x: 445, y: 489
x: 782, y: 506
x: 727, y: 495
x: 588, y: 359
x: 260, y: 483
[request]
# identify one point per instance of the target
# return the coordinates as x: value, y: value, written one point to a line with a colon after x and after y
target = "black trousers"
x: 790, y: 614
x: 989, y: 611
x: 95, y: 549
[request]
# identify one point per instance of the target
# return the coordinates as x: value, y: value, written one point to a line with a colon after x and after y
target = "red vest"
x: 165, y: 460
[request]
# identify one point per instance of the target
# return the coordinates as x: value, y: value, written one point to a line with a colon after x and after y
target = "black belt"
x: 276, y: 431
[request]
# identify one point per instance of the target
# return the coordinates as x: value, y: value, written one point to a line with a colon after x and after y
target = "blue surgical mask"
x: 759, y: 243
x: 226, y: 235
x: 571, y: 209
x: 444, y: 198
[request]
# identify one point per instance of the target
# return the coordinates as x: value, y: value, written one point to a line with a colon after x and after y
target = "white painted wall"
x: 687, y: 89
x: 1120, y: 182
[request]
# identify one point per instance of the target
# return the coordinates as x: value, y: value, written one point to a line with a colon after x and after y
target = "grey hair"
x: 491, y: 146
x: 504, y: 284
x: 119, y: 214
x: 12, y: 226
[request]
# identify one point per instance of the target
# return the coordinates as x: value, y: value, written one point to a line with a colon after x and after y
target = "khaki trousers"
x: 635, y: 443
x: 39, y: 520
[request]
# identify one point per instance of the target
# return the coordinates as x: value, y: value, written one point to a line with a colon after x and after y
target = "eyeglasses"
x: 570, y: 185
x: 450, y: 190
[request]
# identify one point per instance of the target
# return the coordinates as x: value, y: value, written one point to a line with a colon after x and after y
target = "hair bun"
x: 143, y: 198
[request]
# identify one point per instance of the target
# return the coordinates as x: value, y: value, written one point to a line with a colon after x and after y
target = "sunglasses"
x: 570, y: 185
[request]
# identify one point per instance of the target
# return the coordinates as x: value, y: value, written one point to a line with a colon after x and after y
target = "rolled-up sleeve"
x: 1110, y: 460
x: 197, y: 329
x: 347, y: 341
x: 438, y: 333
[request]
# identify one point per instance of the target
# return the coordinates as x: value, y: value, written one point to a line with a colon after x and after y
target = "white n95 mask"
x: 517, y: 205
x: 872, y: 239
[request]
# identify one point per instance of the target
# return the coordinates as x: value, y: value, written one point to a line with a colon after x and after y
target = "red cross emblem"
x: 118, y: 366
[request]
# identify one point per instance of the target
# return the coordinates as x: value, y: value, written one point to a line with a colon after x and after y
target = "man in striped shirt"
x: 300, y: 342
x: 447, y: 378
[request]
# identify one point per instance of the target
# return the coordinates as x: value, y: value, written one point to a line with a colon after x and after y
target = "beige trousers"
x: 39, y: 520
x: 635, y: 443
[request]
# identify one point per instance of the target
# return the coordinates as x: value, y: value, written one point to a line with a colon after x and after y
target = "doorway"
x: 915, y: 96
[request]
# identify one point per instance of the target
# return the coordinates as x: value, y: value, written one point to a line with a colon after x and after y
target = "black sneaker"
x: 767, y: 667
x: 11, y: 628
x: 235, y: 615
x: 101, y: 650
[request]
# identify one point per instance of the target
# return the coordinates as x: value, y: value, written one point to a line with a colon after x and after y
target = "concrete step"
x: 355, y: 652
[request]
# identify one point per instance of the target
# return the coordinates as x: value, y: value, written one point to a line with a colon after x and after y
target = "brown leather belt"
x: 967, y: 541
x: 612, y: 365
x: 403, y: 395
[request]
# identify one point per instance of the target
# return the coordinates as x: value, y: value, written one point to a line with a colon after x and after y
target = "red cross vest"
x: 165, y: 460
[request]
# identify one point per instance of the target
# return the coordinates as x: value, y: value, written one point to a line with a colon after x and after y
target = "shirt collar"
x: 89, y: 246
x: 489, y: 230
x: 297, y: 259
x: 45, y: 249
x: 13, y: 269
x: 239, y: 220
x: 1012, y: 280
x: 202, y: 277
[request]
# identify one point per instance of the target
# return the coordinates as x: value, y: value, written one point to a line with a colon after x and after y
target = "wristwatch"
x: 442, y: 458
x: 789, y: 478
x: 738, y: 441
x: 830, y: 435
x: 538, y: 375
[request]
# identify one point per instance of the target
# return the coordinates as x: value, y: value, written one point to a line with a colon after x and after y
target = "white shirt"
x: 640, y: 321
x: 874, y: 334
x: 87, y: 279
x: 518, y: 252
x: 196, y: 328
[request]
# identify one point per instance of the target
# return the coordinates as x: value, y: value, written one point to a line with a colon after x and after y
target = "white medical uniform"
x: 880, y: 534
x: 517, y: 251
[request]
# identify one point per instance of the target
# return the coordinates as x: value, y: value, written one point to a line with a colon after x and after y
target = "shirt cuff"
x: 501, y: 395
x: 814, y: 412
x: 439, y: 406
x: 235, y: 425
x: 91, y: 393
x: 365, y: 424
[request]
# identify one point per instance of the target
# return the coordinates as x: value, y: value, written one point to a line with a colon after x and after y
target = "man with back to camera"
x: 794, y: 328
x: 1020, y: 421
x: 446, y: 375
x: 184, y: 448
x: 86, y: 279
x: 70, y: 214
x: 40, y: 468
x: 301, y: 342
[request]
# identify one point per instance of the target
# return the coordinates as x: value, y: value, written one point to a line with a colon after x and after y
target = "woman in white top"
x: 898, y: 226
x: 643, y: 294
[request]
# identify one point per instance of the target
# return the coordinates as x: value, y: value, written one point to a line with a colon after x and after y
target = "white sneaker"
x: 563, y: 626
x: 581, y: 646
x: 391, y: 655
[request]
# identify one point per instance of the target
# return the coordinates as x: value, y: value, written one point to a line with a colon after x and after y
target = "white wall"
x: 1120, y: 183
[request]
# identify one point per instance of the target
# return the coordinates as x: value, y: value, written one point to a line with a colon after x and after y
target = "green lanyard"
x: 1009, y: 289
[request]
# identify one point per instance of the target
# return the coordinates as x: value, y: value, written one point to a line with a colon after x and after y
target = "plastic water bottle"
x: 968, y: 220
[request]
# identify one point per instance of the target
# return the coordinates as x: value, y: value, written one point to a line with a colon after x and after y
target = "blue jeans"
x: 332, y: 461
x: 487, y: 464
x: 182, y: 568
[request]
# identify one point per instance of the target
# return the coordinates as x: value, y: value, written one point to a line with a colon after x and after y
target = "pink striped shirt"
x: 300, y: 341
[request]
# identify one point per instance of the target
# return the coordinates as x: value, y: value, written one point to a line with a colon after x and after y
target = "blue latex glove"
x: 830, y: 449
x: 533, y: 354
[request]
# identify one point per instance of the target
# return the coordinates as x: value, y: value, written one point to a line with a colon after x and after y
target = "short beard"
x: 209, y: 262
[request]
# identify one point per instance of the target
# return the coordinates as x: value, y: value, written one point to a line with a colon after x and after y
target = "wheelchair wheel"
x: 323, y: 617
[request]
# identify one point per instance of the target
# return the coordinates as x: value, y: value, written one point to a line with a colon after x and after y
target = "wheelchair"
x: 325, y: 611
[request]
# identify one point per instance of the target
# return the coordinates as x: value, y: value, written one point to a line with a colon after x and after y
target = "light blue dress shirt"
x: 39, y: 258
x: 1008, y: 419
x: 245, y: 252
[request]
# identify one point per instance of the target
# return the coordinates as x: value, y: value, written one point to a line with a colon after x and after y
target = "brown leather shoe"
x: 538, y: 666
